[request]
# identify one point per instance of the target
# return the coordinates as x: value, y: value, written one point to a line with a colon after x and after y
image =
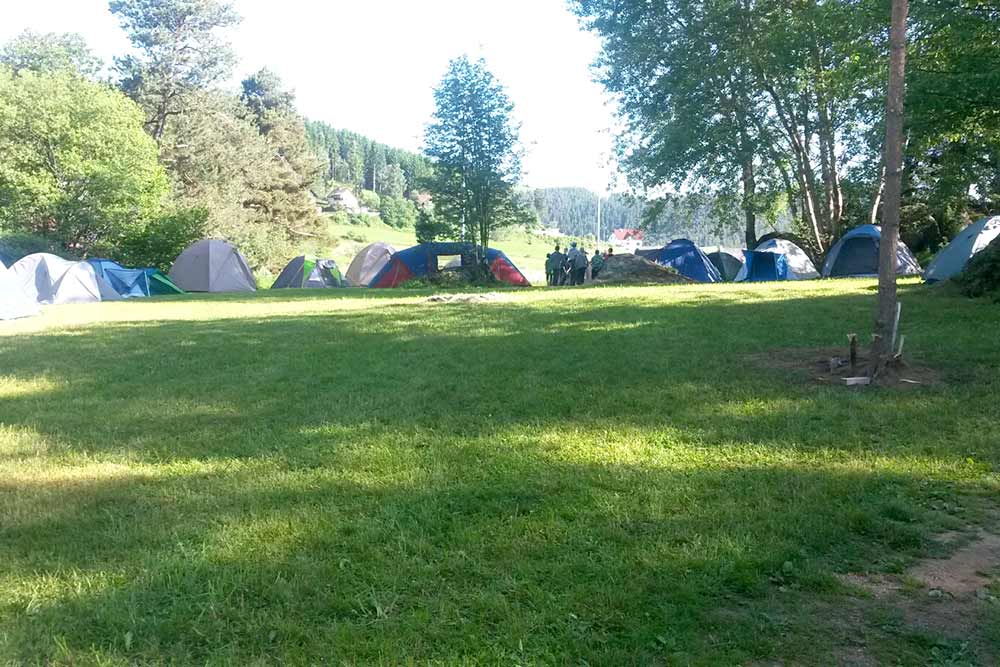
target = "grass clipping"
x: 636, y: 270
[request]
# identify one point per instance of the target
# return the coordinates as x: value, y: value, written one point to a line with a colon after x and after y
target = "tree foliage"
x: 77, y: 166
x: 178, y: 53
x: 473, y: 141
x: 44, y: 53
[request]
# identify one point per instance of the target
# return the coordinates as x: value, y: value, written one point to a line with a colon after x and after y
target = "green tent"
x: 312, y: 272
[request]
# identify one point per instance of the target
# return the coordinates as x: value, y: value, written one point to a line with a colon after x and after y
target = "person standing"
x: 554, y: 266
x: 596, y: 264
x: 580, y: 264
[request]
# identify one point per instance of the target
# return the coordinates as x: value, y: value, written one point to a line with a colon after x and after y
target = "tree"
x: 887, y: 297
x: 50, y: 52
x: 473, y: 141
x: 178, y: 53
x: 77, y: 166
x: 391, y: 181
x: 398, y: 212
x: 264, y: 96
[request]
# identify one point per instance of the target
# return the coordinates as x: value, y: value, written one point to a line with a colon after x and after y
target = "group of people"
x: 573, y: 267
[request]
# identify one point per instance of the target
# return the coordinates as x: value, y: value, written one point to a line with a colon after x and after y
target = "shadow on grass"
x: 506, y: 482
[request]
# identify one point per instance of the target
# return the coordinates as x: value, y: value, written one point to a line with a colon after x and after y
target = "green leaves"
x: 77, y: 165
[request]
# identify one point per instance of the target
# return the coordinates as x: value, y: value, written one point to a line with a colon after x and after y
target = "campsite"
x: 528, y: 333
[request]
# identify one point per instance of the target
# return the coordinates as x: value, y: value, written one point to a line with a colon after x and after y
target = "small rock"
x: 935, y: 593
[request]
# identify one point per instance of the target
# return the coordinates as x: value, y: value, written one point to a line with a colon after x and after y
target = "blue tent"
x: 133, y: 282
x: 952, y: 259
x: 763, y: 266
x: 856, y: 254
x: 687, y: 259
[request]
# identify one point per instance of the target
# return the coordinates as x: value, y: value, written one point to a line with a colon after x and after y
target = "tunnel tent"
x: 727, y: 260
x: 951, y: 260
x: 212, y: 265
x: 14, y: 303
x: 856, y: 255
x: 131, y: 283
x: 306, y: 271
x: 423, y: 259
x: 777, y: 259
x: 367, y: 264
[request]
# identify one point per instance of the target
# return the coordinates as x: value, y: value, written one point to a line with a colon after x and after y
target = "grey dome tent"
x: 13, y: 302
x: 856, y: 254
x: 776, y: 259
x: 212, y: 265
x: 367, y: 264
x: 311, y: 272
x: 727, y: 261
x: 952, y: 259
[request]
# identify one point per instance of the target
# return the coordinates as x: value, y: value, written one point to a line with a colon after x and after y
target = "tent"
x: 421, y: 260
x: 727, y: 261
x: 954, y: 256
x: 129, y: 283
x: 856, y: 254
x: 46, y: 278
x: 367, y: 263
x: 212, y: 265
x: 777, y: 259
x: 13, y: 302
x: 304, y: 271
x: 686, y: 258
x: 36, y: 275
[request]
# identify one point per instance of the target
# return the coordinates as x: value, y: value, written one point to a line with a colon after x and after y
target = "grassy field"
x: 600, y: 476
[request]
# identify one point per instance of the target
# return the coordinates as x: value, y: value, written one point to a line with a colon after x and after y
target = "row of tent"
x: 854, y: 255
x: 43, y: 278
x: 213, y: 265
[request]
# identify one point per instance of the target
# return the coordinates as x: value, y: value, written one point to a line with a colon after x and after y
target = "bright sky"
x: 370, y: 66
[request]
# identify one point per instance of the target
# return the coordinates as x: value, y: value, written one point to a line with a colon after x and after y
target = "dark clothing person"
x: 579, y: 267
x: 554, y: 267
x: 596, y: 264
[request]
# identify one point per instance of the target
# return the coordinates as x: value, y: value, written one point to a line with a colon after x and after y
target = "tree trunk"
x: 887, y: 298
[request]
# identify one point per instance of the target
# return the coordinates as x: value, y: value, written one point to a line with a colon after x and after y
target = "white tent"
x: 212, y: 265
x: 799, y: 266
x: 45, y: 278
x: 367, y: 263
x: 953, y: 258
x: 38, y: 274
x: 13, y: 302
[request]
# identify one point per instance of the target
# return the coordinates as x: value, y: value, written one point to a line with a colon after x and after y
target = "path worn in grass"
x: 588, y: 476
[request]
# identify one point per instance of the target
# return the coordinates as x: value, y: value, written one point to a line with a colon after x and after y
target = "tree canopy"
x: 473, y: 141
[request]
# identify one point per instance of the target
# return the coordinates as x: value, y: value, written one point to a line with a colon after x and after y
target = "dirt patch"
x: 945, y: 596
x: 634, y: 270
x: 831, y: 365
x: 487, y: 297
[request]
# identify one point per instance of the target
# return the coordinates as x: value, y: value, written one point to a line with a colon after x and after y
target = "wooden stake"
x: 853, y: 339
x: 895, y: 325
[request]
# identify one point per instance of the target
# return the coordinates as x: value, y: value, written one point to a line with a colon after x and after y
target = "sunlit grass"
x: 589, y: 476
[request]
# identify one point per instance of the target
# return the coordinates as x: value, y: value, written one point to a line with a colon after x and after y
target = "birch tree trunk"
x: 887, y: 297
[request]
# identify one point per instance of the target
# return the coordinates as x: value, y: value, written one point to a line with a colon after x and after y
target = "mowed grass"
x: 580, y: 476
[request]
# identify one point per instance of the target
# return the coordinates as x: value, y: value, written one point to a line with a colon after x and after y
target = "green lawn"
x: 567, y: 477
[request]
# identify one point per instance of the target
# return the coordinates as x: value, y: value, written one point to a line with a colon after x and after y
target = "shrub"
x: 158, y: 243
x: 982, y: 274
x: 370, y: 200
x: 16, y: 245
x: 398, y: 212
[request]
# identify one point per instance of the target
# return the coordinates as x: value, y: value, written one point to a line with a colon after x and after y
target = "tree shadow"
x: 476, y: 483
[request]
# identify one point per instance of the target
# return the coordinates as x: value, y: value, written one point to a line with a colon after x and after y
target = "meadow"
x: 596, y: 476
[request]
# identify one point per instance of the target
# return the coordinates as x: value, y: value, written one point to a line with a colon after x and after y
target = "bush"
x: 14, y: 246
x: 158, y: 243
x: 428, y: 228
x: 370, y: 200
x: 398, y: 212
x: 982, y: 274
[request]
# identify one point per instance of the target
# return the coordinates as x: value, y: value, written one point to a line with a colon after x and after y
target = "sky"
x: 370, y: 66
